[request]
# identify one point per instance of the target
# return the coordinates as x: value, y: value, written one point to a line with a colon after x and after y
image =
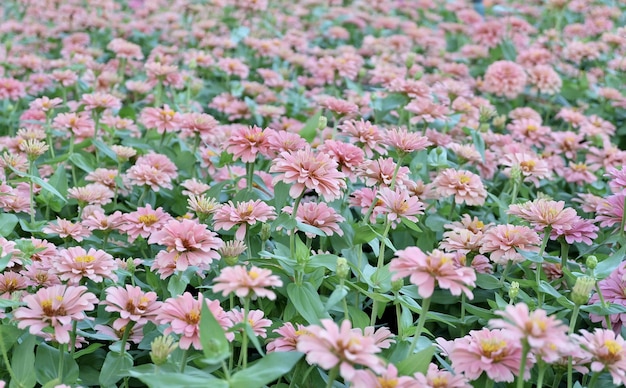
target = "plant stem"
x: 542, y: 371
x: 31, y: 171
x: 249, y: 250
x: 539, y: 269
x: 73, y: 338
x: 564, y: 253
x: 332, y: 376
x: 399, y: 317
x: 183, y: 362
x: 243, y: 356
x: 249, y: 175
x: 522, y: 367
x: 420, y: 324
x: 381, y: 262
x: 62, y: 350
x: 292, y: 238
x: 127, y: 331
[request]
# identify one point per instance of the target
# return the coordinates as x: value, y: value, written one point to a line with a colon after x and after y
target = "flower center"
x: 528, y: 165
x: 253, y: 274
x: 387, y: 383
x: 492, y: 348
x: 464, y: 179
x: 614, y: 349
x: 192, y: 317
x: 84, y: 259
x: 148, y: 219
x: 440, y: 382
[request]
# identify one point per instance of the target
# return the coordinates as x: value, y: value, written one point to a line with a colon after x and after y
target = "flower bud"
x: 266, y: 232
x: 161, y: 348
x: 322, y: 123
x: 486, y: 113
x: 343, y: 269
x: 397, y: 285
x: 514, y: 290
x: 231, y: 250
x: 591, y: 262
x: 130, y: 265
x: 516, y: 173
x: 410, y: 60
x: 499, y: 121
x: 582, y: 289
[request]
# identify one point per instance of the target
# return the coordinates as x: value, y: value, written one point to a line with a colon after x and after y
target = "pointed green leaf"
x: 213, y: 338
x: 266, y: 370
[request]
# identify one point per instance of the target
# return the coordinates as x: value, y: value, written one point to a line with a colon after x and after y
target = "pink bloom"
x: 611, y: 210
x: 365, y: 135
x: 404, y: 141
x: 544, y: 79
x: 280, y: 141
x: 582, y: 231
x: 243, y: 282
x: 491, y: 351
x: 608, y: 352
x: 503, y: 241
x: 542, y: 213
x: 188, y: 243
x: 617, y: 181
x: 55, y: 307
x: 338, y: 105
x: 100, y: 101
x: 154, y: 170
x: 183, y: 316
x: 162, y: 119
x: 532, y: 168
x: 143, y: 222
x: 464, y: 185
x: 349, y: 156
x: 92, y: 194
x: 613, y: 289
x: 505, y: 78
x: 246, y: 142
x: 254, y: 319
x: 331, y: 345
x: 132, y: 304
x: 364, y: 198
x: 399, y: 204
x: 427, y: 270
x: 11, y: 282
x: 65, y: 228
x: 364, y: 378
x: 308, y: 170
x: 288, y: 339
x: 319, y: 215
x: 75, y: 263
x: 243, y: 215
x: 380, y: 172
x: 546, y: 336
x: 440, y: 378
x: 116, y: 333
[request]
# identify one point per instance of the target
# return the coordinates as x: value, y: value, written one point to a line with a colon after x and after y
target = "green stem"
x: 73, y: 338
x: 623, y: 223
x: 344, y: 302
x: 557, y: 381
x: 250, y: 175
x: 183, y: 362
x: 522, y: 367
x: 7, y: 364
x: 539, y: 269
x: 31, y: 171
x: 609, y: 325
x: 381, y: 262
x: 125, y: 336
x: 332, y: 376
x: 395, y: 172
x: 292, y: 238
x: 564, y: 253
x: 594, y: 378
x: 62, y: 350
x: 420, y: 324
x: 489, y: 383
x: 243, y: 356
x: 398, y: 317
x: 249, y: 250
x: 542, y: 371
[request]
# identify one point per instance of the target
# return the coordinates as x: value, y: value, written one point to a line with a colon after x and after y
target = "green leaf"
x: 114, y: 368
x: 309, y: 229
x: 266, y: 370
x: 88, y: 350
x: 105, y: 149
x: 307, y: 302
x: 478, y: 141
x: 7, y: 224
x: 46, y: 186
x: 187, y: 380
x: 281, y: 194
x: 598, y: 309
x: 411, y: 225
x: 212, y: 336
x: 47, y: 365
x: 81, y: 162
x: 608, y: 265
x: 309, y: 131
x: 22, y: 362
x: 487, y: 282
x: 335, y: 297
x: 363, y: 234
x: 416, y: 362
x: 8, y: 336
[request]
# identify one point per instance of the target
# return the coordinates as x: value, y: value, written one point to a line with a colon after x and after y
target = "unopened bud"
x: 343, y: 269
x: 516, y: 173
x: 266, y: 232
x: 161, y: 348
x: 514, y: 290
x: 130, y: 265
x: 397, y: 285
x: 499, y: 121
x: 410, y: 60
x: 582, y: 289
x: 591, y: 262
x: 231, y: 250
x: 323, y: 121
x: 486, y: 113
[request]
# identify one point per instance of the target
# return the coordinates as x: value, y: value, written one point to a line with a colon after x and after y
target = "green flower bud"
x: 161, y: 348
x: 130, y: 265
x: 591, y: 262
x: 397, y: 285
x: 582, y: 289
x: 485, y: 114
x: 266, y: 232
x: 410, y: 60
x: 343, y: 269
x: 322, y: 123
x: 516, y: 173
x: 514, y: 290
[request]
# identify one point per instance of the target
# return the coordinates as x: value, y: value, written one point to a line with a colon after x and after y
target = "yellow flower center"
x: 531, y: 128
x: 491, y: 346
x: 528, y: 165
x: 85, y: 259
x: 148, y: 219
x: 253, y: 274
x: 193, y: 317
x: 464, y: 179
x: 613, y: 347
x: 440, y: 382
x: 387, y: 383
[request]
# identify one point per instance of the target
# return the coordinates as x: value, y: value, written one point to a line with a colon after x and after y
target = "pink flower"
x: 243, y: 282
x: 503, y: 241
x: 288, y: 339
x: 582, y: 231
x: 612, y: 288
x: 65, y: 228
x: 608, y: 352
x: 143, y: 222
x: 542, y: 213
x: 404, y: 141
x: 162, y: 119
x: 244, y: 215
x: 398, y: 204
x: 617, y: 181
x: 610, y: 211
x: 380, y: 172
x: 427, y: 270
x: 246, y: 142
x: 183, y: 316
x: 254, y: 318
x: 349, y: 156
x: 364, y: 378
x: 154, y: 170
x: 56, y: 307
x: 532, y: 168
x: 319, y: 215
x: 308, y: 170
x: 188, y: 244
x: 365, y: 135
x: 75, y: 263
x: 331, y: 345
x: 464, y: 185
x: 491, y: 351
x: 100, y: 101
x: 440, y: 378
x: 11, y: 282
x: 546, y: 336
x: 505, y: 78
x: 132, y: 304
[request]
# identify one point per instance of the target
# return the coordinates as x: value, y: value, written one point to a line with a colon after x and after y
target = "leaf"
x: 114, y: 368
x: 309, y: 229
x: 335, y: 297
x: 363, y: 234
x: 487, y: 282
x: 105, y: 149
x: 81, y: 162
x: 478, y: 141
x: 46, y: 186
x: 22, y: 362
x: 281, y: 194
x: 309, y: 131
x: 47, y: 365
x: 608, y: 265
x: 266, y: 370
x: 8, y: 336
x: 416, y: 362
x: 170, y: 380
x: 598, y: 309
x: 212, y: 336
x: 411, y: 225
x: 7, y: 224
x: 307, y: 302
x: 88, y: 350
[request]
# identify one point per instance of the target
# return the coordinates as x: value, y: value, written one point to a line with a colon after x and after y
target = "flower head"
x: 254, y: 282
x: 75, y: 263
x: 243, y: 215
x: 464, y: 185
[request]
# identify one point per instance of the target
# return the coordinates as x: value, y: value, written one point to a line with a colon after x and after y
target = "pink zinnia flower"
x: 611, y: 210
x: 404, y: 141
x: 380, y: 172
x: 582, y: 231
x: 613, y: 289
x: 503, y: 241
x: 11, y: 282
x: 543, y: 213
x: 464, y: 185
x: 546, y: 335
x: 364, y: 378
x: 441, y: 378
x: 100, y: 101
x: 365, y: 135
x: 397, y: 204
x: 243, y: 282
x: 132, y: 303
x: 162, y: 119
x: 188, y: 244
x: 154, y: 170
x: 435, y: 268
x: 505, y: 78
x: 617, y: 181
x: 308, y: 170
x: 75, y: 263
x: 254, y: 318
x: 331, y: 345
x: 243, y: 215
x: 143, y: 222
x: 56, y: 307
x: 319, y: 215
x: 349, y: 156
x: 532, y: 168
x: 65, y: 228
x: 288, y: 339
x: 608, y: 352
x: 183, y: 316
x: 491, y: 351
x: 246, y: 142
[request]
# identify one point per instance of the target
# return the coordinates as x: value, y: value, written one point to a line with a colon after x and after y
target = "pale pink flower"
x: 246, y: 142
x: 132, y: 303
x: 305, y: 169
x: 56, y: 307
x: 198, y: 123
x: 182, y: 314
x: 11, y: 282
x: 544, y: 79
x: 116, y: 333
x: 364, y: 378
x: 194, y: 187
x: 612, y: 288
x: 254, y: 282
x: 45, y: 104
x: 611, y: 210
x: 92, y: 194
x: 338, y: 105
x: 233, y: 66
x: 608, y: 352
x: 100, y: 101
x: 65, y: 229
x: 580, y: 173
x: 436, y: 268
x: 331, y: 345
x: 40, y: 274
x: 491, y: 351
x: 254, y: 319
x: 154, y: 170
x: 75, y: 263
x: 280, y: 141
x: 243, y: 215
x: 503, y: 241
x: 364, y: 198
x: 188, y: 243
x: 365, y: 135
x: 464, y: 185
x: 97, y: 220
x: 581, y: 231
x: 288, y: 339
x: 162, y: 119
x: 319, y: 215
x: 397, y: 204
x: 532, y: 167
x: 505, y: 78
x: 349, y: 156
x: 441, y: 378
x: 404, y: 141
x: 380, y: 172
x: 617, y: 179
x: 545, y: 335
x: 143, y: 222
x: 543, y: 213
